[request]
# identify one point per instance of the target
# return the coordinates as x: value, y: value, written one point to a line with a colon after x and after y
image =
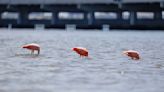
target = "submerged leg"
x: 38, y: 51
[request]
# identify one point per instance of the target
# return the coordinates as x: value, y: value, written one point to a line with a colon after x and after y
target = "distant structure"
x: 119, y: 14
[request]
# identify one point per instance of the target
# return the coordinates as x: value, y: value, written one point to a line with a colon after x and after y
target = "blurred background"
x: 85, y: 14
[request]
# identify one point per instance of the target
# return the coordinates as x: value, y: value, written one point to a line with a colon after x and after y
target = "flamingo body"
x: 81, y: 51
x: 33, y: 47
x: 133, y: 54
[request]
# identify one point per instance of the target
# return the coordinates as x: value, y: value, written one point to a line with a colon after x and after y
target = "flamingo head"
x: 24, y: 46
x: 74, y: 49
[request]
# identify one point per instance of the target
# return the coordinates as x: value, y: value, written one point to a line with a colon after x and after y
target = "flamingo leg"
x: 38, y: 51
x: 134, y: 58
x: 32, y: 51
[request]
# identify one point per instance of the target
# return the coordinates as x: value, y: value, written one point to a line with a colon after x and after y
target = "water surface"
x: 58, y: 69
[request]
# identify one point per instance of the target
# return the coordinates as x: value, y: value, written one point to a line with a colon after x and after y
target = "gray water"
x: 58, y: 69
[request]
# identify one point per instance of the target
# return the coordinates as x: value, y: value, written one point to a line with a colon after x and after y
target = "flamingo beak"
x: 73, y: 49
x: 23, y: 46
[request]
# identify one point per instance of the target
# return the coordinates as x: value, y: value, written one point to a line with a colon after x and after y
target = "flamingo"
x: 83, y: 52
x: 32, y: 47
x: 133, y: 54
